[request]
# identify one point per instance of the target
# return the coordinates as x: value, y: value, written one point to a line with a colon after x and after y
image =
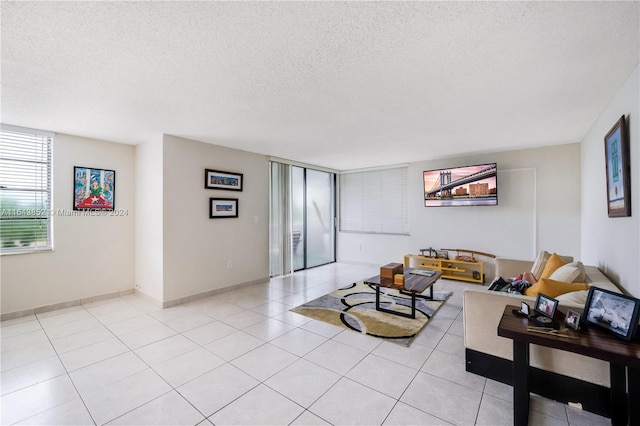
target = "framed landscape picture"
x: 93, y: 189
x: 223, y: 207
x: 215, y: 179
x: 616, y: 148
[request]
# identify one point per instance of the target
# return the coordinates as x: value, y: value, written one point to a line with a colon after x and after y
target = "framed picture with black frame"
x: 229, y: 181
x: 614, y: 312
x: 545, y: 309
x: 616, y: 149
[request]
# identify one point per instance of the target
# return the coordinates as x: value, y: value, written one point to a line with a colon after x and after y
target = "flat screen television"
x: 461, y: 186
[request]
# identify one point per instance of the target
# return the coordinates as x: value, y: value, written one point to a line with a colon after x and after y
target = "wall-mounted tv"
x: 461, y: 186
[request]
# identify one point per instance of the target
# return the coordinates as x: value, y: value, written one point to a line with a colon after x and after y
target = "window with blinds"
x: 374, y: 201
x: 25, y: 189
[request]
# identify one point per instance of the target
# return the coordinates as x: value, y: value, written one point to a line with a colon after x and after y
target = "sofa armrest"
x: 509, y: 268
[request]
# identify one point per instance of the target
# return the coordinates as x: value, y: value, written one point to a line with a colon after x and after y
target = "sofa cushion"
x: 573, y: 298
x: 539, y: 263
x: 571, y: 273
x: 553, y: 263
x: 554, y: 288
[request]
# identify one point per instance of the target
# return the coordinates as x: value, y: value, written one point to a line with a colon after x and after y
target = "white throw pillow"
x: 539, y: 263
x: 576, y: 297
x: 570, y: 273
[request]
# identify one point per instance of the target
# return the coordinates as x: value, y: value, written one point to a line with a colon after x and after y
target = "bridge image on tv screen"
x: 461, y: 186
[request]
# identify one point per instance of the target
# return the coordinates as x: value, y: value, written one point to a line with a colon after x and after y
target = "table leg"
x: 633, y: 383
x: 619, y: 407
x: 520, y: 383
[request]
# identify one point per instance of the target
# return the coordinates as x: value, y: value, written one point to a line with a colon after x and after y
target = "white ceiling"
x: 337, y: 84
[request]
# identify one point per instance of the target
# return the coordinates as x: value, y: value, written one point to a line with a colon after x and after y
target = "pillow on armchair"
x: 571, y: 273
x: 541, y: 261
x: 553, y: 288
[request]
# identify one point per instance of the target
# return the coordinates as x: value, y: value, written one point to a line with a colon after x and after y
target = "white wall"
x: 538, y: 208
x: 612, y: 243
x: 149, y: 219
x: 196, y: 248
x: 93, y: 255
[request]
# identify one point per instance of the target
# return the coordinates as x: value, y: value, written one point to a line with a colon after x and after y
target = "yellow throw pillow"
x: 553, y: 263
x: 553, y: 288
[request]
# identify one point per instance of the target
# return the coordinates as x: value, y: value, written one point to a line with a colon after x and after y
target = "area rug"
x: 354, y: 307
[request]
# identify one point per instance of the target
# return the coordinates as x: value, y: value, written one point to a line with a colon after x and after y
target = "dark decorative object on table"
x: 615, y: 312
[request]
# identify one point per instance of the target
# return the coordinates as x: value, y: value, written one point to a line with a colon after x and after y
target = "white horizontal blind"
x: 25, y: 189
x: 375, y: 201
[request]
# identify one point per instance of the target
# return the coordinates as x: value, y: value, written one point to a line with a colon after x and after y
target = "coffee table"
x: 413, y: 285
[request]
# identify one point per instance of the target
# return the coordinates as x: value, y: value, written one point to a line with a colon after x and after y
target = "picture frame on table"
x: 94, y: 189
x: 616, y: 148
x: 220, y: 208
x: 572, y: 319
x: 545, y: 305
x: 228, y: 181
x: 613, y: 312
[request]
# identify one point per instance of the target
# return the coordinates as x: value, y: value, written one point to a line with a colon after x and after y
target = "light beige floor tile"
x: 358, y: 340
x: 548, y: 407
x: 457, y: 328
x: 269, y: 329
x: 26, y: 355
x: 120, y: 315
x: 95, y: 376
x: 385, y: 376
x: 30, y: 374
x: 271, y: 308
x: 133, y: 324
x: 451, y: 367
x: 264, y: 361
x: 169, y: 409
x: 292, y: 318
x: 428, y: 337
x: 215, y: 389
x: 20, y: 328
x: 189, y: 321
x: 303, y: 382
x: 173, y: 312
x: 118, y: 398
x: 71, y: 413
x: 221, y: 310
x: 308, y: 419
x: 147, y: 336
x: 259, y: 406
x: 336, y: 356
x: 336, y: 405
x: 62, y: 316
x: 298, y: 341
x: 584, y: 418
x: 158, y: 352
x: 403, y: 414
x: 186, y: 367
x: 243, y: 319
x: 20, y: 341
x: 36, y: 399
x: 448, y: 401
x: 499, y: 390
x: 451, y: 344
x: 537, y: 418
x: 494, y: 412
x: 81, y: 339
x: 91, y: 354
x: 413, y: 356
x: 234, y: 345
x: 70, y: 328
x: 15, y: 321
x: 210, y: 332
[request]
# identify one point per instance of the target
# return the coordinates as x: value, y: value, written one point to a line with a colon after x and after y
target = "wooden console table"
x: 623, y: 358
x: 452, y: 269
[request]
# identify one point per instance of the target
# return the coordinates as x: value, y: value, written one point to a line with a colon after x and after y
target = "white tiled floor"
x: 242, y: 358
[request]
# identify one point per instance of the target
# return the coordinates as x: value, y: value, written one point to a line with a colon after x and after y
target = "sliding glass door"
x: 303, y: 222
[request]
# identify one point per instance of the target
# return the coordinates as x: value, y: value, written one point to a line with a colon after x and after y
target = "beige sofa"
x: 483, y: 310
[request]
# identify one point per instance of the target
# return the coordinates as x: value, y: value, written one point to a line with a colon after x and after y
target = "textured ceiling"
x: 337, y: 84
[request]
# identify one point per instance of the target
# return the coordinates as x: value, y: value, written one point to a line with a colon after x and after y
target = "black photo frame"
x: 616, y: 313
x: 572, y: 319
x: 220, y: 208
x: 616, y: 150
x: 546, y: 306
x: 228, y: 181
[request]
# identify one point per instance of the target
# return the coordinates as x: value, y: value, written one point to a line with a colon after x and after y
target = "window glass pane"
x: 320, y: 218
